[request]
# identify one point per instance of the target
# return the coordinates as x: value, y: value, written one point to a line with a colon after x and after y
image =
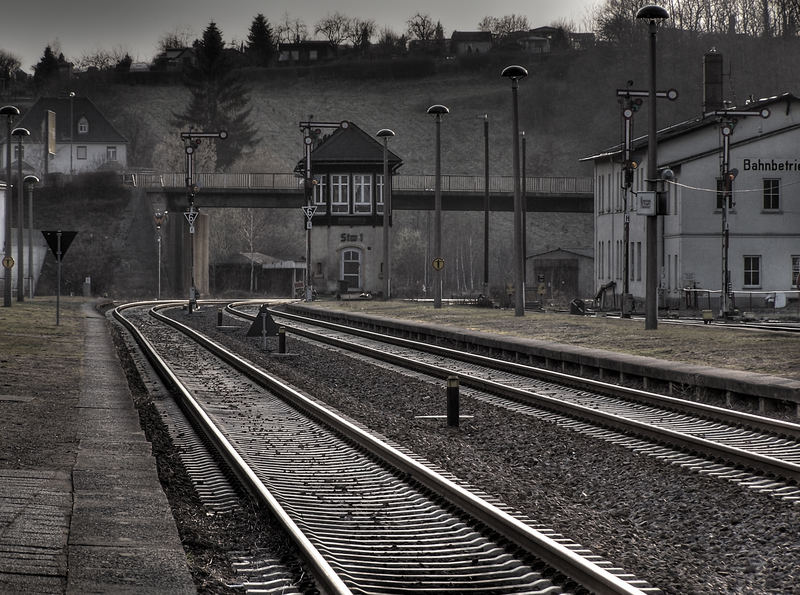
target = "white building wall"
x: 690, y: 233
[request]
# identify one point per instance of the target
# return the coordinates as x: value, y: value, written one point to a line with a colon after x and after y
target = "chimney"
x: 712, y: 81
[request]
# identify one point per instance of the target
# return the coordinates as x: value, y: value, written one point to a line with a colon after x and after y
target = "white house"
x: 74, y: 136
x: 763, y: 214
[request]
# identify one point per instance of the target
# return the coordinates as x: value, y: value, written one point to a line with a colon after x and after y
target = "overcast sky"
x: 79, y: 27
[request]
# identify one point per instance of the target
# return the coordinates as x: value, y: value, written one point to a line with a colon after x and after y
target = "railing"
x: 419, y: 183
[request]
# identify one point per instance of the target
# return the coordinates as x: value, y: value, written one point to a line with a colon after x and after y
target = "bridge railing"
x: 418, y: 183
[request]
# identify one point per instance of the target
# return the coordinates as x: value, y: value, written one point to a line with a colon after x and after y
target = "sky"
x: 81, y: 27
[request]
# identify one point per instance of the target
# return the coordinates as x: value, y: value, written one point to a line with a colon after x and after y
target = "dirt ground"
x: 718, y: 344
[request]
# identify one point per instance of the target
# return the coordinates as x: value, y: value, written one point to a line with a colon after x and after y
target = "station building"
x: 346, y: 235
x: 762, y: 215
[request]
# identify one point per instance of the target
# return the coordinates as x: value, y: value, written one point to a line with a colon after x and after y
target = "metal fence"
x: 419, y: 183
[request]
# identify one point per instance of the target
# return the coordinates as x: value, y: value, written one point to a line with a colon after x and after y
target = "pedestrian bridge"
x: 409, y: 192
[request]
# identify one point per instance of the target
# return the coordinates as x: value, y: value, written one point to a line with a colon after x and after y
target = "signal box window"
x: 340, y: 193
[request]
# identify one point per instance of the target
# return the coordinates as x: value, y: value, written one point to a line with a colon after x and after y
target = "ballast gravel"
x: 683, y: 532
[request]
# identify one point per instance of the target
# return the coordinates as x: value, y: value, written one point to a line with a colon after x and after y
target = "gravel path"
x: 683, y: 532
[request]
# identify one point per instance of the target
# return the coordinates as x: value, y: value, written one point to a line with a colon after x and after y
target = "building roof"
x: 101, y: 130
x: 349, y: 146
x: 689, y: 126
x: 473, y: 36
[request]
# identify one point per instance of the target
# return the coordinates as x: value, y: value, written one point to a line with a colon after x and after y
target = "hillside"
x: 568, y: 105
x: 568, y: 108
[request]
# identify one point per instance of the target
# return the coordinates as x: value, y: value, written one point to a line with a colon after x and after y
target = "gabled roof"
x: 689, y: 126
x: 349, y: 146
x: 462, y: 36
x: 100, y: 129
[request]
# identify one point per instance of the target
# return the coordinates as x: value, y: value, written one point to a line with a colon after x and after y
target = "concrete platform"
x: 96, y: 519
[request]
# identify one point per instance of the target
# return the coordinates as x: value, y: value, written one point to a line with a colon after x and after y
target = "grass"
x: 710, y: 345
x: 36, y: 354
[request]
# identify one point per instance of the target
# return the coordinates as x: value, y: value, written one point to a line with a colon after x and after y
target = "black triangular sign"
x: 258, y: 326
x: 53, y: 241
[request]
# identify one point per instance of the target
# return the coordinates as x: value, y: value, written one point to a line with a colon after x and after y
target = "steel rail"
x: 585, y: 572
x: 759, y: 462
x: 756, y: 422
x: 327, y: 579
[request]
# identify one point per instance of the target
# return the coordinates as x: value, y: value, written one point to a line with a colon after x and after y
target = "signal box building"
x: 762, y: 215
x: 346, y: 236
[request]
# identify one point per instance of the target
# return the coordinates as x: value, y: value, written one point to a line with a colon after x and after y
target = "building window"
x: 320, y: 193
x: 351, y: 268
x: 83, y: 125
x: 796, y: 271
x: 340, y: 193
x: 362, y: 193
x: 379, y: 190
x: 772, y: 194
x: 80, y: 152
x: 721, y: 193
x: 638, y: 261
x: 111, y: 153
x: 752, y: 271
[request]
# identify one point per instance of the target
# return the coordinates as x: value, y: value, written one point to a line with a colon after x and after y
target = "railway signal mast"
x: 192, y: 140
x: 630, y: 100
x: 311, y: 131
x: 727, y: 120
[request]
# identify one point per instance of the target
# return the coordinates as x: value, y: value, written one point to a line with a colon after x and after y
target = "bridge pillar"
x: 177, y: 254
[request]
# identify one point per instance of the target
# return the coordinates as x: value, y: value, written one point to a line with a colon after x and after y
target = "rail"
x: 418, y: 183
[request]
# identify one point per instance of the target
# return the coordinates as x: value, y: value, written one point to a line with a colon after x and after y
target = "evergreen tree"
x: 260, y: 44
x: 46, y: 71
x: 218, y: 99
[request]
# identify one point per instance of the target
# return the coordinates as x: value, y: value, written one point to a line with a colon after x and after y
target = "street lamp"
x: 160, y: 219
x: 515, y: 73
x: 485, y: 205
x: 30, y: 182
x: 437, y: 111
x: 385, y: 134
x: 9, y: 111
x: 19, y: 133
x: 71, y: 127
x: 653, y: 15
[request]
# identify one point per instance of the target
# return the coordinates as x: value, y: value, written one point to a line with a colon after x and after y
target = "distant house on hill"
x: 467, y: 43
x: 175, y: 59
x: 304, y: 52
x: 68, y: 135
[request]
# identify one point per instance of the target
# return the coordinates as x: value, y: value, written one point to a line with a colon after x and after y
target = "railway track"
x: 368, y: 517
x: 754, y: 450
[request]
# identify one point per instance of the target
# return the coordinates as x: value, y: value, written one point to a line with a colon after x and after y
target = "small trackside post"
x: 282, y: 340
x: 452, y: 402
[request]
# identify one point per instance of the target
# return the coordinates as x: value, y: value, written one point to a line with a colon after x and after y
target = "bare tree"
x: 360, y: 34
x: 421, y: 27
x: 102, y: 59
x: 9, y: 65
x: 334, y: 28
x: 177, y: 38
x: 391, y: 44
x: 292, y: 30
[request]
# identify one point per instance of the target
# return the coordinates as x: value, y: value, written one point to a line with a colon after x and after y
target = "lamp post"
x: 524, y: 201
x: 30, y: 182
x: 9, y: 111
x: 515, y: 73
x: 652, y: 14
x: 71, y: 128
x: 437, y: 111
x: 160, y: 219
x: 19, y: 133
x: 385, y: 134
x: 485, y: 205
